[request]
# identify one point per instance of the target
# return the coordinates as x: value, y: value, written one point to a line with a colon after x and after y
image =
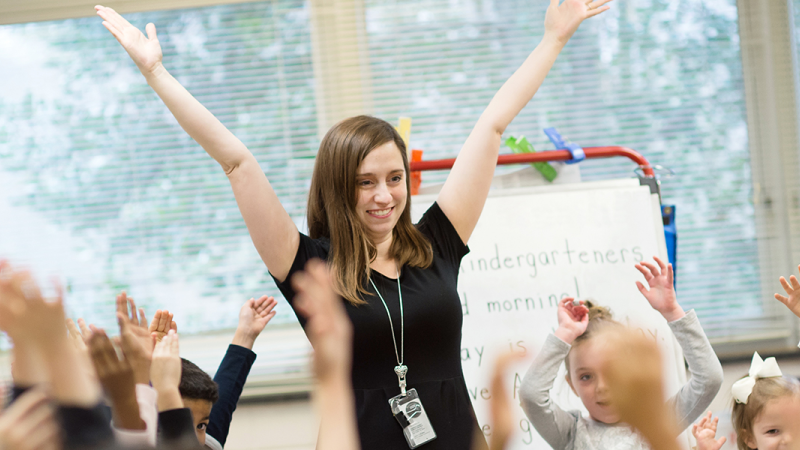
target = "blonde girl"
x: 579, y: 344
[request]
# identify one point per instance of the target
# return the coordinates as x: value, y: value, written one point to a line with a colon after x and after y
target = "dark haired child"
x: 213, y: 402
x: 578, y: 343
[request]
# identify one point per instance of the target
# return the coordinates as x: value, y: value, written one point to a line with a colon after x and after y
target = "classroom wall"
x: 292, y: 424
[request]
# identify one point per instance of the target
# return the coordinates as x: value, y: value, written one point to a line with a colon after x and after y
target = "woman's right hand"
x: 572, y: 320
x: 145, y: 51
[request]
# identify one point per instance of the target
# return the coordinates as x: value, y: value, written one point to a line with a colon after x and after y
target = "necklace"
x: 400, y: 369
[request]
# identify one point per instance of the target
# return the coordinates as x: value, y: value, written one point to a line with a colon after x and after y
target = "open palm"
x: 145, y: 51
x: 563, y: 19
x: 792, y: 288
x: 661, y: 292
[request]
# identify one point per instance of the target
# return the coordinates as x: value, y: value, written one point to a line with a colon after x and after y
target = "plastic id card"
x: 411, y: 415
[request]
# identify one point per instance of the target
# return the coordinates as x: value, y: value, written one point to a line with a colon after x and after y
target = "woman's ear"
x: 569, y: 382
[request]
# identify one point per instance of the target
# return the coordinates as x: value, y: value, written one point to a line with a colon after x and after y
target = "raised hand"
x: 135, y: 339
x: 253, y: 317
x: 328, y: 327
x: 793, y: 291
x: 330, y: 332
x: 501, y: 409
x: 632, y: 370
x: 30, y: 424
x: 661, y: 294
x: 705, y: 433
x: 145, y: 51
x: 165, y: 372
x: 161, y: 324
x: 572, y: 320
x: 116, y: 377
x: 562, y: 20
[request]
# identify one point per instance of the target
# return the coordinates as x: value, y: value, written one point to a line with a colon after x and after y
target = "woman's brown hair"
x: 332, y: 206
x: 743, y: 415
x: 600, y: 318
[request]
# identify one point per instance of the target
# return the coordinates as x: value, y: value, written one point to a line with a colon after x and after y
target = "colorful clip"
x: 576, y: 151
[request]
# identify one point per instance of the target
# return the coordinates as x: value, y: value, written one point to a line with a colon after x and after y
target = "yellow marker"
x: 404, y: 128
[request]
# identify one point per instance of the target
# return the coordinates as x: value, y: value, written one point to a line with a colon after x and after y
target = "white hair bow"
x: 759, y: 368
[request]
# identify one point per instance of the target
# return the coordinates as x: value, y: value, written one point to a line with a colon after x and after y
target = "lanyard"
x: 400, y: 369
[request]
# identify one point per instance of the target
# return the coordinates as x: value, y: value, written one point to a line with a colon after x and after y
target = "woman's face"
x: 381, y: 190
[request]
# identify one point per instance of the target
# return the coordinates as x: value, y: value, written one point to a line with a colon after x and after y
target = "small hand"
x: 572, y: 320
x: 705, y: 432
x: 661, y: 295
x: 253, y: 317
x: 161, y: 324
x: 561, y: 21
x: 137, y: 346
x: 116, y: 377
x: 30, y: 424
x: 632, y: 370
x: 793, y: 291
x: 76, y: 337
x: 328, y: 326
x: 501, y: 409
x: 25, y: 314
x: 144, y: 51
x: 165, y: 372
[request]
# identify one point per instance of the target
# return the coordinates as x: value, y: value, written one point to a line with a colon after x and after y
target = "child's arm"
x: 704, y: 366
x: 331, y: 335
x: 793, y: 291
x: 705, y: 433
x: 555, y: 425
x: 232, y: 373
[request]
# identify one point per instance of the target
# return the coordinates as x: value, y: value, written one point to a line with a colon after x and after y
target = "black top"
x: 230, y: 378
x: 433, y: 319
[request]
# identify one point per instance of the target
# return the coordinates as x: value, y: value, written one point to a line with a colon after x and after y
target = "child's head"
x: 583, y: 364
x: 771, y: 417
x: 199, y: 393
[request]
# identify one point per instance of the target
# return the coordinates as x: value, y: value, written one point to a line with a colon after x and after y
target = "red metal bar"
x: 554, y: 155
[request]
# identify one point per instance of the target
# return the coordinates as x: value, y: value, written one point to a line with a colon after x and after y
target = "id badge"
x: 409, y: 412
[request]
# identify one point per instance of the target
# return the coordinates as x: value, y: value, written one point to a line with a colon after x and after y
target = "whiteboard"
x: 534, y: 246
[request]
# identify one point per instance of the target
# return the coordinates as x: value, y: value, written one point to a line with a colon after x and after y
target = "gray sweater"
x: 569, y: 430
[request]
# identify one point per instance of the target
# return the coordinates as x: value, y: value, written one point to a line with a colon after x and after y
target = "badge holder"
x: 409, y: 412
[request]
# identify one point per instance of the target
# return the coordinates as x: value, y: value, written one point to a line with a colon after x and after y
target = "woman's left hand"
x: 562, y: 20
x: 661, y: 294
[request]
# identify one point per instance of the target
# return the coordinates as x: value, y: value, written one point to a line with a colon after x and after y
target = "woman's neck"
x: 383, y: 262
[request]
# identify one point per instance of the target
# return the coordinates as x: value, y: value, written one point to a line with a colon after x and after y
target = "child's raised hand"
x: 632, y: 369
x: 793, y: 291
x: 328, y: 327
x: 117, y: 378
x: 661, y: 294
x: 145, y: 51
x: 705, y: 432
x: 561, y: 21
x: 135, y: 339
x: 254, y: 315
x: 165, y: 372
x: 572, y: 320
x: 161, y: 324
x: 30, y: 423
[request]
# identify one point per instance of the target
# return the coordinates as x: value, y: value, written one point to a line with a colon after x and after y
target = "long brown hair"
x: 743, y: 415
x: 332, y: 206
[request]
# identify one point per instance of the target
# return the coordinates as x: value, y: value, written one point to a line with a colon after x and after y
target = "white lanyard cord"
x: 401, y: 356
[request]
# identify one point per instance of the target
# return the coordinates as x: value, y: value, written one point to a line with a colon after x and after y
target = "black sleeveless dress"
x: 433, y: 319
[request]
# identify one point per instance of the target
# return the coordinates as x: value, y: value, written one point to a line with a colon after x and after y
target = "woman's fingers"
x: 151, y: 32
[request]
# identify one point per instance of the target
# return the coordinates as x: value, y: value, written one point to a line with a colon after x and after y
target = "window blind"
x: 99, y: 184
x: 664, y: 78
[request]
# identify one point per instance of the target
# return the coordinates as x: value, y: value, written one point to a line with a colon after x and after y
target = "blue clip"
x: 576, y: 151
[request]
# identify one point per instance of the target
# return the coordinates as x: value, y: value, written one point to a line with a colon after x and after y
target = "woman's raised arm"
x: 272, y: 230
x: 464, y: 193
